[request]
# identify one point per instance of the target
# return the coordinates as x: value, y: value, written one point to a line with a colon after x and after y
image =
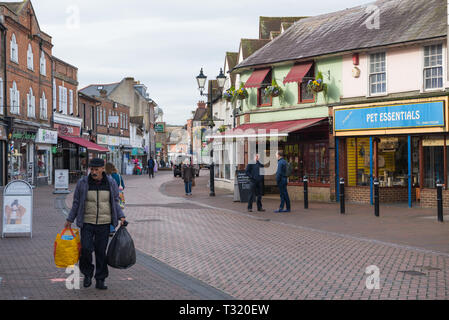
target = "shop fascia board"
x: 67, y: 120
x: 397, y: 131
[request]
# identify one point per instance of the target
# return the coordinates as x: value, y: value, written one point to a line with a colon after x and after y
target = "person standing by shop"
x: 151, y: 165
x: 257, y: 182
x: 282, y: 182
x: 188, y: 177
x: 95, y: 207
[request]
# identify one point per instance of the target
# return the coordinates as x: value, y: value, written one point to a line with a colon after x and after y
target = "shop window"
x: 308, y: 159
x: 42, y: 163
x: 393, y: 161
x: 18, y: 160
x: 262, y: 99
x: 433, y: 151
x: 433, y: 67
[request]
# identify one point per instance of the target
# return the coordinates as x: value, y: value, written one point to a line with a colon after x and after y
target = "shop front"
x: 402, y: 144
x: 46, y: 140
x: 305, y: 144
x: 21, y: 154
x: 73, y: 152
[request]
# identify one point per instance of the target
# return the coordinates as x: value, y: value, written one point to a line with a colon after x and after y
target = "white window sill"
x: 377, y: 95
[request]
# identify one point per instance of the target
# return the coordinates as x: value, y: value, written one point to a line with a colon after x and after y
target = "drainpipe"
x: 5, y: 100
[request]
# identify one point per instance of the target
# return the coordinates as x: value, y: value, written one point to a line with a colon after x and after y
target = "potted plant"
x: 222, y: 129
x: 317, y: 85
x: 274, y: 90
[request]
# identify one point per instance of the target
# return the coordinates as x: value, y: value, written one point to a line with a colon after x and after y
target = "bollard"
x: 376, y: 197
x: 306, y: 192
x: 342, y: 196
x: 440, y: 200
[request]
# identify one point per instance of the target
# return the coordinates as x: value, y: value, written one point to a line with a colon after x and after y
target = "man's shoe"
x: 261, y: 210
x: 87, y: 282
x: 250, y: 210
x: 100, y: 285
x: 279, y: 211
x: 287, y: 211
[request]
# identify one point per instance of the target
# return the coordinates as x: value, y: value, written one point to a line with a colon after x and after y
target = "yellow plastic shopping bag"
x: 67, y: 248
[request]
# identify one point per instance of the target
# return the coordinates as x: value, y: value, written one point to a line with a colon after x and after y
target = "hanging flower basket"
x: 242, y: 93
x: 317, y: 85
x: 229, y: 94
x: 274, y: 90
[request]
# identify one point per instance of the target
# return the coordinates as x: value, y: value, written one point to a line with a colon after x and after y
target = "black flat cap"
x: 96, y: 163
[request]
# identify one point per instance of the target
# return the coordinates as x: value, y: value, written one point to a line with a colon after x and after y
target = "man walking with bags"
x: 282, y: 181
x: 187, y: 174
x: 95, y: 207
x: 257, y: 182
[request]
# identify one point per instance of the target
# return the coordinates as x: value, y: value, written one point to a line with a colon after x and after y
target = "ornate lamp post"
x: 221, y: 80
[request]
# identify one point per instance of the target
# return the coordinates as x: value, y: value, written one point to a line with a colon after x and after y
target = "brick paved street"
x: 294, y: 256
x: 27, y: 270
x: 202, y: 248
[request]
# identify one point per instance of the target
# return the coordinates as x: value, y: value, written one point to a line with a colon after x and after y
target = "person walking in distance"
x: 257, y: 182
x: 151, y: 164
x: 95, y: 207
x: 282, y: 182
x: 188, y: 176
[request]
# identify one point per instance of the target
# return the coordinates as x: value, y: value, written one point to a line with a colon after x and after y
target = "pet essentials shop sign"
x: 17, y: 209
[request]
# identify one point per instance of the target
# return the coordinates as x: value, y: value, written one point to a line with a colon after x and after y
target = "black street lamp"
x: 221, y: 80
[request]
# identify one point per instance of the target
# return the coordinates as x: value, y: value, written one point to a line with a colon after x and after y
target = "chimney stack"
x: 201, y: 105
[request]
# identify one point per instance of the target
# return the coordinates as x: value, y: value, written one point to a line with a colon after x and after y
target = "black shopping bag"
x: 121, y: 251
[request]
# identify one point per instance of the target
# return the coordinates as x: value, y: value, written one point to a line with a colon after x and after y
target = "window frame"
x: 262, y: 87
x: 14, y: 49
x: 43, y: 64
x: 369, y: 61
x: 30, y: 57
x: 442, y: 66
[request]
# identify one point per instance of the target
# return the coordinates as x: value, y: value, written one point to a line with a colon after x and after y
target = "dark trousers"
x: 285, y: 199
x: 151, y: 172
x: 94, y: 238
x: 256, y: 192
x: 188, y: 186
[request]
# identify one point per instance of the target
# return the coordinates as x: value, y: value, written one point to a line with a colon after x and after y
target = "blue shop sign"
x: 429, y: 114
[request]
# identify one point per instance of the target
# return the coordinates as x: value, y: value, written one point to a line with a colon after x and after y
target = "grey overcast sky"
x: 161, y: 43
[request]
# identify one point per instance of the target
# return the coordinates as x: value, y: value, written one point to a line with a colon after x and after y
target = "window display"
x: 309, y: 159
x: 42, y: 163
x: 18, y: 160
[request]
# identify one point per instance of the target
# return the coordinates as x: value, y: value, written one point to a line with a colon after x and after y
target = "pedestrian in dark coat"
x: 257, y: 182
x: 282, y: 182
x: 188, y: 176
x: 151, y: 165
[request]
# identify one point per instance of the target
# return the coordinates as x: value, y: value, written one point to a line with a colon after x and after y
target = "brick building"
x: 26, y: 86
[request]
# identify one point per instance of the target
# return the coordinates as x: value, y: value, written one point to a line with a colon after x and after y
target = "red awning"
x: 298, y: 72
x: 257, y: 78
x: 281, y: 128
x: 84, y: 143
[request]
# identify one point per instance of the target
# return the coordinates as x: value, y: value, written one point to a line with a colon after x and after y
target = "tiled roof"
x: 15, y: 7
x: 250, y: 46
x: 400, y: 21
x: 92, y: 90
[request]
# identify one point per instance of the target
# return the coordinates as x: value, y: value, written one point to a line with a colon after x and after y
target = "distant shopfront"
x: 21, y: 153
x: 401, y: 143
x: 46, y: 140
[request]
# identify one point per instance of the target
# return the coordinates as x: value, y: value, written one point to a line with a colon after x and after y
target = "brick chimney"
x: 103, y: 93
x: 201, y: 105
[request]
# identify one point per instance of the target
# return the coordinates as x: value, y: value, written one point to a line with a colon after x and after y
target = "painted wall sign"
x: 66, y: 130
x: 429, y: 114
x: 23, y: 135
x: 102, y: 139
